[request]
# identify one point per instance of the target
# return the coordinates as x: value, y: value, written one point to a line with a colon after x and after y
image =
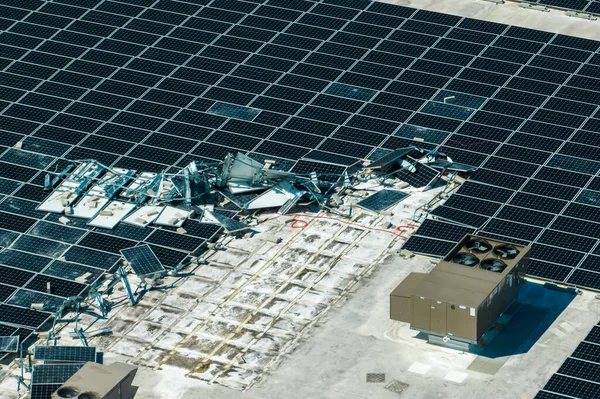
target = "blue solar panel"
x: 73, y: 354
x: 143, y: 260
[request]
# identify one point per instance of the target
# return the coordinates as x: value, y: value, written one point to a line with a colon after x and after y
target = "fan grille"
x: 493, y: 265
x: 506, y: 251
x: 478, y: 246
x: 465, y: 259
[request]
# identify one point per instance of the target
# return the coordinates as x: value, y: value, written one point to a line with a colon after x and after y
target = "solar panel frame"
x: 382, y: 200
x: 149, y: 263
x: 9, y: 343
x: 423, y: 176
x: 71, y: 354
x: 428, y: 246
x: 53, y: 373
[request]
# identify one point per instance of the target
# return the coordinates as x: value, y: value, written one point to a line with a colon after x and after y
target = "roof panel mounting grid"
x: 143, y: 260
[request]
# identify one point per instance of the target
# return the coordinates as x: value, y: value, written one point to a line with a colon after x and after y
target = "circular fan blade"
x: 478, y: 246
x: 506, y: 251
x: 493, y: 265
x: 465, y: 259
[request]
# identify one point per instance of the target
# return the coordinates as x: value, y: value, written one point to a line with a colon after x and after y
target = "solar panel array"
x: 587, y: 6
x: 579, y: 375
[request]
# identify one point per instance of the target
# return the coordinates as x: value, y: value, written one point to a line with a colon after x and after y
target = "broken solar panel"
x: 143, y: 260
x: 9, y: 343
x: 229, y: 224
x: 388, y: 160
x: 72, y: 354
x: 461, y: 217
x: 382, y: 200
x: 423, y: 175
x: 240, y: 200
x: 234, y: 111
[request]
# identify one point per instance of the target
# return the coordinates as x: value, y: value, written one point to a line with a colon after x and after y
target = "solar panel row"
x: 579, y: 375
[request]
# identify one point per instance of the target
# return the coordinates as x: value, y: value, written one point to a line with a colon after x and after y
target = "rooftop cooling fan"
x: 478, y: 246
x: 466, y: 259
x: 493, y: 265
x: 505, y: 251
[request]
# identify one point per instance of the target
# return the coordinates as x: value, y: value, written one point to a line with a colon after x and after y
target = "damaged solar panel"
x: 382, y: 200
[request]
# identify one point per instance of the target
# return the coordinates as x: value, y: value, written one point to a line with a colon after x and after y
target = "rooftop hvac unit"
x: 97, y: 381
x: 466, y: 292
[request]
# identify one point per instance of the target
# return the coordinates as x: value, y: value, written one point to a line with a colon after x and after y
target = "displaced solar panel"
x: 53, y: 373
x: 386, y: 160
x: 461, y: 217
x: 443, y: 230
x: 72, y: 354
x: 421, y: 177
x: 229, y: 224
x: 382, y: 200
x: 142, y: 260
x: 427, y: 246
x: 9, y: 344
x: 9, y: 331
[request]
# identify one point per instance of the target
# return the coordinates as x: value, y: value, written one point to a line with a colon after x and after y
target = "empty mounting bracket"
x: 534, y: 7
x: 582, y: 15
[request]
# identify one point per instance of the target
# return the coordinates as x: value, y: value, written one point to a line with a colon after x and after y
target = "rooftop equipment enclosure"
x: 466, y: 292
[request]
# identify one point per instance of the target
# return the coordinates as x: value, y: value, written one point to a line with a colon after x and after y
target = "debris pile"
x: 117, y: 195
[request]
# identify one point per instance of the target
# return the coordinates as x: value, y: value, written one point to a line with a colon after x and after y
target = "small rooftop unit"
x: 466, y: 292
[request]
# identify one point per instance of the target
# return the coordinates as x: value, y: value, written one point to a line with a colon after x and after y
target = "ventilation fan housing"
x: 466, y: 259
x: 478, y: 246
x: 493, y: 265
x: 506, y: 251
